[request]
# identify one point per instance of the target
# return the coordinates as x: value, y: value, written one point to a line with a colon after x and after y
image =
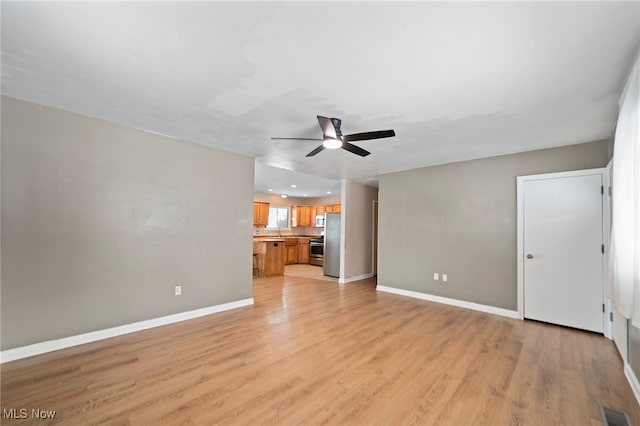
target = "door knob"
x: 529, y: 256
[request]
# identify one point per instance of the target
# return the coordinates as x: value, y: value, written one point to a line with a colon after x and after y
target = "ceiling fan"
x: 332, y: 137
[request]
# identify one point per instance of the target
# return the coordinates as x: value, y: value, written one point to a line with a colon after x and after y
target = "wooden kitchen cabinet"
x: 330, y: 208
x: 291, y: 251
x: 260, y: 213
x: 305, y: 216
x: 311, y: 215
x: 271, y: 256
x: 274, y: 259
x: 303, y: 250
x: 302, y: 220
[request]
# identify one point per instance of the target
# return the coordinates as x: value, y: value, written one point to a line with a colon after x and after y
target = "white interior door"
x: 562, y: 250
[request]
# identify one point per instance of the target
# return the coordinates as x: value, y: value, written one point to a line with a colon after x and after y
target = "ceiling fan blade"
x: 315, y: 151
x: 328, y: 130
x: 369, y: 135
x: 296, y: 139
x: 355, y: 149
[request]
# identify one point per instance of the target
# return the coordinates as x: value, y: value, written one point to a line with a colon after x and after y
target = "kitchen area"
x: 302, y: 239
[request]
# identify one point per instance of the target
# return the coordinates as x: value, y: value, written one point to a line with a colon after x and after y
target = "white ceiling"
x: 455, y: 80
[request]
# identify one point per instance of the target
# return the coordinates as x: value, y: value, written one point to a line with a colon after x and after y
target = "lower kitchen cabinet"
x: 274, y: 253
x: 291, y: 247
x: 303, y: 250
x: 270, y: 257
x: 274, y: 259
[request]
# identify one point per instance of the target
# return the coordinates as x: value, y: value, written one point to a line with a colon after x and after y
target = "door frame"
x: 374, y: 235
x: 620, y: 324
x: 520, y: 181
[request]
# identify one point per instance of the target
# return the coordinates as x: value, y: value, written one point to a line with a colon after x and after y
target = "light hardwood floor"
x: 307, y: 271
x: 315, y: 352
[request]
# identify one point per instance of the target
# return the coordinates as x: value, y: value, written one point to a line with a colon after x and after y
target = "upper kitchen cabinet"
x: 260, y: 213
x: 333, y: 208
x: 305, y: 216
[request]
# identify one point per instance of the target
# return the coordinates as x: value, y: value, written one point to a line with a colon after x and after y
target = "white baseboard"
x: 633, y: 381
x: 66, y: 342
x: 454, y: 302
x: 356, y: 278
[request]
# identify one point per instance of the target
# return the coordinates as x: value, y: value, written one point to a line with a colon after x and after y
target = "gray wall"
x: 460, y: 219
x: 357, y: 225
x: 634, y: 348
x: 99, y: 222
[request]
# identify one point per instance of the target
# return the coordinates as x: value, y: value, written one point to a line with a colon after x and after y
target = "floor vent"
x: 611, y: 417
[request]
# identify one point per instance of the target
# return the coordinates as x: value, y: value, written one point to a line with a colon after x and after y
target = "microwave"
x: 320, y: 221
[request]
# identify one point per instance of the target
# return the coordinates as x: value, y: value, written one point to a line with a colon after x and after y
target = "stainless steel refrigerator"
x: 332, y: 244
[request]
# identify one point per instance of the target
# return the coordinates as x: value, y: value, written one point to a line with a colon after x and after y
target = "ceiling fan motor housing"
x: 336, y: 125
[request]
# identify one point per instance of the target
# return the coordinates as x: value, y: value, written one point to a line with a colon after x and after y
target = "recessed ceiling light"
x: 304, y: 195
x: 293, y: 186
x: 270, y: 190
x: 284, y: 195
x: 328, y: 192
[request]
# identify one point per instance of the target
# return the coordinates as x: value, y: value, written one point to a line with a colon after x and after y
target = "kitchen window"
x: 278, y: 218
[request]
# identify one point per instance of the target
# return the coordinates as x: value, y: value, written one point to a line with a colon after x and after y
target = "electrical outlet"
x: 179, y: 289
x: 436, y: 276
x: 444, y: 277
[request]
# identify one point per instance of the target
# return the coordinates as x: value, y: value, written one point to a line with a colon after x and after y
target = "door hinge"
x: 602, y: 247
x: 603, y: 307
x: 611, y: 316
x: 601, y: 189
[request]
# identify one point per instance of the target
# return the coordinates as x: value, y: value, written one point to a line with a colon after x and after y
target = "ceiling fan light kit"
x: 332, y: 143
x: 332, y: 137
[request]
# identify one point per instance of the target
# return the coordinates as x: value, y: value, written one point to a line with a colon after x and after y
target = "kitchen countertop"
x: 270, y: 240
x: 269, y: 237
